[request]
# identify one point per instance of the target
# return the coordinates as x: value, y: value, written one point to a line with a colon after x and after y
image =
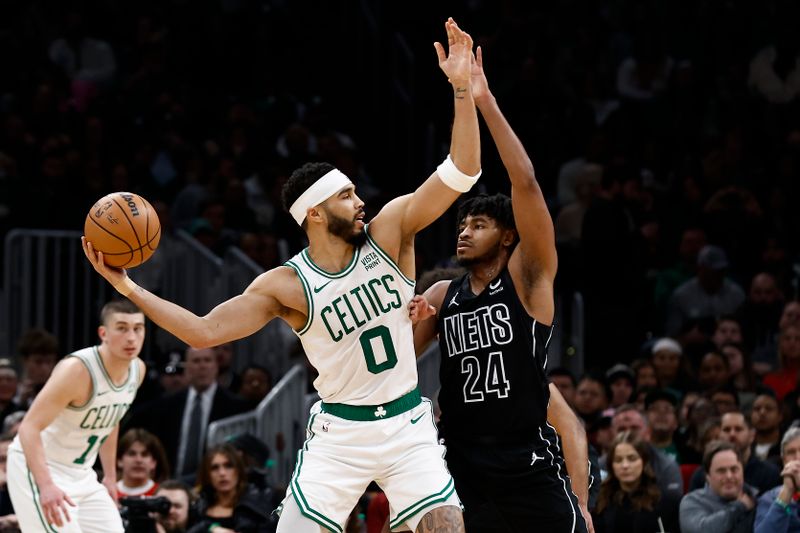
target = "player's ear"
x: 509, y: 237
x: 314, y: 214
x: 101, y: 332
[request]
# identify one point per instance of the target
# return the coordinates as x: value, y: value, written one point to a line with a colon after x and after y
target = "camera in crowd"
x: 137, y: 513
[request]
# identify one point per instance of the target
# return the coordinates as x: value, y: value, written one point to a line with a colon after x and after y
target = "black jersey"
x: 493, y: 364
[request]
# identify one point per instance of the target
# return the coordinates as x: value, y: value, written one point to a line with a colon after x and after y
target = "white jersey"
x: 358, y: 335
x: 76, y: 434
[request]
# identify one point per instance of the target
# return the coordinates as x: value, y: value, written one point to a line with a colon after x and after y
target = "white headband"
x: 321, y: 190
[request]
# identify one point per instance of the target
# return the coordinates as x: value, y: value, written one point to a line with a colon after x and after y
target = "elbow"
x: 526, y: 176
x: 200, y: 342
x: 201, y: 334
x: 26, y: 429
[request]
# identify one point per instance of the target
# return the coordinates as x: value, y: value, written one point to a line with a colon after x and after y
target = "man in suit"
x: 181, y: 419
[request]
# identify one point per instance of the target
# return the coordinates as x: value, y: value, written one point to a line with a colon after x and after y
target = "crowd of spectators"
x: 649, y: 143
x: 665, y: 135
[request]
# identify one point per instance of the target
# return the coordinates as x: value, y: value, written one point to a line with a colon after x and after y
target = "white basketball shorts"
x: 341, y: 457
x: 95, y: 511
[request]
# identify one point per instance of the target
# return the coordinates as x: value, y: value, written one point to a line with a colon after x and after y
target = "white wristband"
x: 126, y: 286
x: 454, y: 178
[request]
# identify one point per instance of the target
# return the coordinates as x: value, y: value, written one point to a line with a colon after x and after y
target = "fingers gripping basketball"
x: 125, y: 227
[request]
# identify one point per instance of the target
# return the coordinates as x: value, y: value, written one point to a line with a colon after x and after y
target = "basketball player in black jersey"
x: 494, y: 327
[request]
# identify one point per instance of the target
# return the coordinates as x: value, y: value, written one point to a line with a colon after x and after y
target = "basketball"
x: 125, y: 227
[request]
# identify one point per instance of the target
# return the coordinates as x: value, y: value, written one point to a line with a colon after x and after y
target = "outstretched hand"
x: 419, y: 309
x: 478, y: 81
x: 457, y: 62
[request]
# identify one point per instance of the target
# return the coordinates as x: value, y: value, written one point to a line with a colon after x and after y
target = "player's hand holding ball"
x: 121, y: 231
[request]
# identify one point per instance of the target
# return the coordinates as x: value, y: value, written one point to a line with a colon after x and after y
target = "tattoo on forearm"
x: 442, y: 520
x: 460, y: 93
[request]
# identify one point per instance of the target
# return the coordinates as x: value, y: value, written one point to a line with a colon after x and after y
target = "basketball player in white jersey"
x: 74, y: 419
x: 345, y: 296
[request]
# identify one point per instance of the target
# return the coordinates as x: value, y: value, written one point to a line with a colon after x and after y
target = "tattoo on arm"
x: 460, y: 93
x: 442, y: 520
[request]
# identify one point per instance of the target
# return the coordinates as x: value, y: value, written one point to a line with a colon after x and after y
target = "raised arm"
x: 233, y: 319
x: 413, y: 212
x: 536, y: 250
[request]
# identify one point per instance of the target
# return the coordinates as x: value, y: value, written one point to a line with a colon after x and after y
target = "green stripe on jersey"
x: 307, y: 292
x: 332, y: 275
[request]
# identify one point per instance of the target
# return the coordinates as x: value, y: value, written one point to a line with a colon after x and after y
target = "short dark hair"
x: 496, y: 207
x: 728, y: 388
x: 300, y: 180
x: 563, y: 371
x: 600, y: 382
x: 718, y: 355
x: 728, y: 318
x: 630, y: 408
x: 118, y: 306
x: 176, y: 484
x: 713, y: 448
x: 259, y: 368
x: 739, y: 412
x: 37, y: 341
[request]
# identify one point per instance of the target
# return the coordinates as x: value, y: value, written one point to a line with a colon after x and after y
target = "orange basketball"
x: 125, y: 227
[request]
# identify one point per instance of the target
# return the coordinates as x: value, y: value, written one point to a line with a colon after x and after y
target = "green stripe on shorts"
x: 39, y: 511
x: 415, y: 508
x: 305, y: 508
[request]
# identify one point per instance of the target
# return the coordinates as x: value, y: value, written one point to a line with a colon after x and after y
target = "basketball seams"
x: 131, y: 251
x: 146, y: 209
x: 147, y: 224
x: 122, y: 210
x: 155, y: 238
x: 111, y: 237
